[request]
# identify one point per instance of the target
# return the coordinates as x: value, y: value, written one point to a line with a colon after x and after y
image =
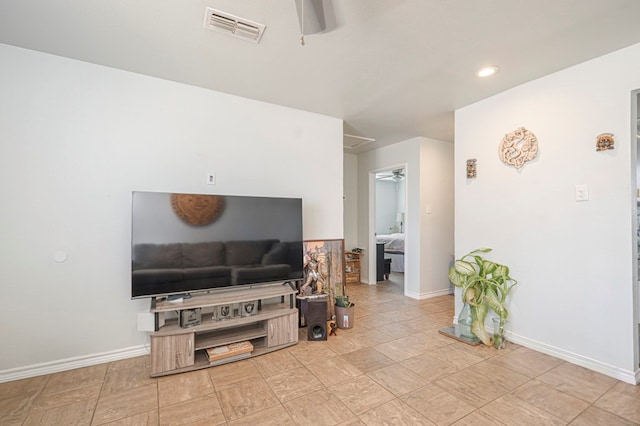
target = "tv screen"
x: 182, y: 243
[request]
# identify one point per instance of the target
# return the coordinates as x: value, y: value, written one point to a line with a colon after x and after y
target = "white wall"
x: 428, y: 167
x: 574, y: 260
x: 75, y: 140
x: 436, y: 209
x: 350, y: 201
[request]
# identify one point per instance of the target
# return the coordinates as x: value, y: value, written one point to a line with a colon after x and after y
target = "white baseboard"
x: 627, y: 376
x: 70, y: 363
x: 429, y: 295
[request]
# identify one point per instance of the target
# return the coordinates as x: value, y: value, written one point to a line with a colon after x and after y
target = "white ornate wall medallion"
x: 605, y: 142
x: 518, y: 147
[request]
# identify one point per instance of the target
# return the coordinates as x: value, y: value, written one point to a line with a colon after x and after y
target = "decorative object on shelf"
x: 190, y: 317
x: 222, y: 312
x: 323, y: 267
x: 472, y: 172
x: 518, y: 147
x: 248, y: 309
x: 605, y: 142
x: 196, y: 209
x: 485, y: 286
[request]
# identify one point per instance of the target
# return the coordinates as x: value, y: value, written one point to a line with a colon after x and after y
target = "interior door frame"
x: 635, y: 152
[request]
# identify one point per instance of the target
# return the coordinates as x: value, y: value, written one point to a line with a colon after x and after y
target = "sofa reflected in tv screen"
x: 184, y: 243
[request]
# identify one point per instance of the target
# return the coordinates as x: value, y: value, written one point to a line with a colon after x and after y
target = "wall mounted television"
x: 184, y: 243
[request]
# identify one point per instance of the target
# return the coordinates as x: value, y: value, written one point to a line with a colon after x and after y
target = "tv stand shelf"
x: 274, y: 326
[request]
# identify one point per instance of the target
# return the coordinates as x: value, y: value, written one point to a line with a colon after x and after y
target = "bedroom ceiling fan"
x: 393, y: 175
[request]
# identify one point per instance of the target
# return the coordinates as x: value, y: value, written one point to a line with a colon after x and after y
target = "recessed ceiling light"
x: 487, y: 71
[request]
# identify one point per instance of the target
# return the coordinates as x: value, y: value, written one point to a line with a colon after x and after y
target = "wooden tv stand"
x: 274, y: 326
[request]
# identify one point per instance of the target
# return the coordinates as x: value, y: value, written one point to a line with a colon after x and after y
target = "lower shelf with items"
x: 233, y: 335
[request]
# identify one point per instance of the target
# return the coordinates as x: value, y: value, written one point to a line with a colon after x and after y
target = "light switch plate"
x: 582, y: 192
x: 211, y: 178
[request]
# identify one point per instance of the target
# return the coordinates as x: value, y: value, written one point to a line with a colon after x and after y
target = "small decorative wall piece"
x: 605, y: 142
x: 472, y: 172
x: 518, y: 147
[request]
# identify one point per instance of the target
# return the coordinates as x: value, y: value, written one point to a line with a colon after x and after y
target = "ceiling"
x: 391, y: 69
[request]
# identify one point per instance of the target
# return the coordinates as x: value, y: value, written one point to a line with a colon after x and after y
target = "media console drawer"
x: 172, y: 352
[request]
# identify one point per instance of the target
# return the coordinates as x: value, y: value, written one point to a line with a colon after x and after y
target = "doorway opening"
x: 390, y: 226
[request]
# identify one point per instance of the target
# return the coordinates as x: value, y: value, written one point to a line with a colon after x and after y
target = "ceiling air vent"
x: 353, y: 141
x: 216, y: 20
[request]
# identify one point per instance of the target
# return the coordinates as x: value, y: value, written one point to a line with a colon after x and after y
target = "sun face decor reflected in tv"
x: 184, y: 243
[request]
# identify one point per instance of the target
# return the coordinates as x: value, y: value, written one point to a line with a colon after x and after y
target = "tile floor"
x: 392, y: 368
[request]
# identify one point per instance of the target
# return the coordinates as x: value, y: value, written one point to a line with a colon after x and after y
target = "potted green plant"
x: 345, y: 309
x: 485, y: 286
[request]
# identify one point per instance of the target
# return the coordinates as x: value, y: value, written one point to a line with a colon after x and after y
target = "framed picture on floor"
x: 323, y: 269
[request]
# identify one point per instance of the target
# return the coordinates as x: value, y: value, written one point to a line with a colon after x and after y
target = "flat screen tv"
x: 184, y: 243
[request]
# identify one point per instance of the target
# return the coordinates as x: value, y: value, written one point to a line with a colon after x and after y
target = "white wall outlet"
x: 582, y: 192
x: 211, y: 178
